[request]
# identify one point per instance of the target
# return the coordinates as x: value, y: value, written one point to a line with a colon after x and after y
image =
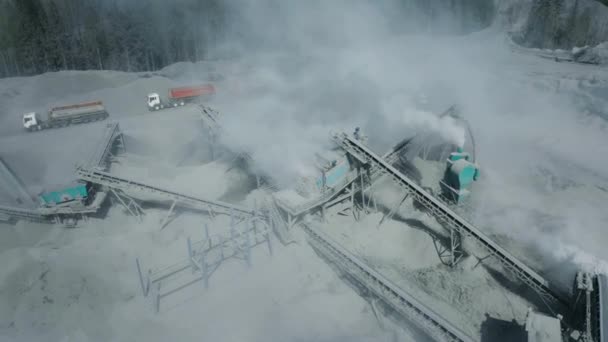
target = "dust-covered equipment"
x: 543, y: 328
x: 77, y: 191
x: 459, y: 174
x: 333, y: 167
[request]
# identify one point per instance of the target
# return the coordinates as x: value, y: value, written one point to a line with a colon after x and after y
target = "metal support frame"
x: 291, y: 221
x: 168, y: 217
x: 205, y: 257
x: 453, y: 221
x: 362, y: 179
x: 212, y: 214
x: 323, y: 213
x: 449, y: 255
x: 585, y: 287
x: 144, y: 282
x: 353, y: 207
x: 212, y: 143
x: 129, y: 203
x: 277, y: 222
x: 122, y: 141
x: 376, y: 311
x: 391, y: 213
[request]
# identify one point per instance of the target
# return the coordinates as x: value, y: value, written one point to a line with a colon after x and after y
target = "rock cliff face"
x: 545, y: 24
x: 562, y: 24
x: 578, y: 26
x: 447, y: 16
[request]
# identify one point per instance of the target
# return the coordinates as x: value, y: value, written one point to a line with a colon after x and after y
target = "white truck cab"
x: 154, y: 102
x: 31, y: 121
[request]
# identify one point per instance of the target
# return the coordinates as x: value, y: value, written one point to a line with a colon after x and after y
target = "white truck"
x: 180, y: 96
x: 66, y: 115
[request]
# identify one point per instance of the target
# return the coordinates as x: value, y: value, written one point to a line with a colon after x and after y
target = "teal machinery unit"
x: 458, y: 177
x: 73, y: 192
x: 335, y: 169
x: 333, y: 175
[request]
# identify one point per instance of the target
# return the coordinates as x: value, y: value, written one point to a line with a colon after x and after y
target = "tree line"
x: 38, y: 36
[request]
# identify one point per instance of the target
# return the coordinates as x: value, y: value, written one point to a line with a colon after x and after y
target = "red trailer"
x: 191, y: 92
x: 180, y: 96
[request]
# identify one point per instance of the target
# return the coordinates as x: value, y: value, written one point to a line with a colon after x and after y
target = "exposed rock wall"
x: 555, y: 24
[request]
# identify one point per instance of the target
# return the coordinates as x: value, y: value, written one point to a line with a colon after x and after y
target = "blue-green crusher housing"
x: 459, y: 175
x: 334, y: 176
x: 76, y: 191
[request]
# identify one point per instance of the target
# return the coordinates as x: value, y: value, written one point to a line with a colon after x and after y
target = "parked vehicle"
x: 66, y: 115
x: 179, y: 96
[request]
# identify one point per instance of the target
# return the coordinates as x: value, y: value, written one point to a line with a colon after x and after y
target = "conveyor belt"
x: 390, y: 157
x: 276, y: 221
x: 103, y: 150
x: 26, y: 214
x: 47, y: 214
x: 404, y: 303
x: 451, y: 219
x: 317, y: 202
x: 114, y: 182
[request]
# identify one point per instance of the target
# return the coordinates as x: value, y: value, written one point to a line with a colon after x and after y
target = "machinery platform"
x: 35, y: 162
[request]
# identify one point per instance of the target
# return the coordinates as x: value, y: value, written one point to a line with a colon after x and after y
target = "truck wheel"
x: 162, y: 106
x: 182, y: 103
x: 175, y: 104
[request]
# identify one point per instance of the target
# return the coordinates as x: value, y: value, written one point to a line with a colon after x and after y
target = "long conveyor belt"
x: 104, y: 149
x: 451, y: 219
x: 404, y: 303
x: 26, y: 214
x: 120, y: 183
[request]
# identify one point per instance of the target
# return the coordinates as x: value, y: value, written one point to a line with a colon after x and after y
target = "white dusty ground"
x: 542, y: 190
x: 31, y: 158
x: 82, y: 285
x: 402, y: 249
